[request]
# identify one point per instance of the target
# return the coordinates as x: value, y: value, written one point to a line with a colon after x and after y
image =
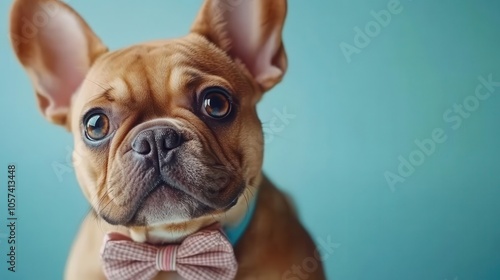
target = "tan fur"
x: 156, y: 83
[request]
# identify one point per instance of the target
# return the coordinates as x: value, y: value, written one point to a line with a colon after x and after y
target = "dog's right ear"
x: 57, y: 48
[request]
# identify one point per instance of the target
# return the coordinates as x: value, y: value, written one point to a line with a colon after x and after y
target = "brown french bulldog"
x: 166, y: 132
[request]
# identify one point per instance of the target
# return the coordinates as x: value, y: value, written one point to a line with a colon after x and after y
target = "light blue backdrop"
x: 354, y: 114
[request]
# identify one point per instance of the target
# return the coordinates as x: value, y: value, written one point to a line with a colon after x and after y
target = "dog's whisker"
x: 246, y: 200
x: 104, y: 87
x: 103, y: 197
x: 99, y: 205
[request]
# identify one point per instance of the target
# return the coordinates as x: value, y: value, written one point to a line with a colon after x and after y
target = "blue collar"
x: 235, y: 233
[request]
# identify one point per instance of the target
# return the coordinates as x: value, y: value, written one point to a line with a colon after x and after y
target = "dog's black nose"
x: 162, y: 139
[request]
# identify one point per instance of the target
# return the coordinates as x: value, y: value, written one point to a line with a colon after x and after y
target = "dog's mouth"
x: 168, y: 204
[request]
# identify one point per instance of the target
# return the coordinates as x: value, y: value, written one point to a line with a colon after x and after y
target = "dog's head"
x: 166, y: 131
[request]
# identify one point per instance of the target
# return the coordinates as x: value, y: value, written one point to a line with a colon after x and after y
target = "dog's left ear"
x: 248, y: 30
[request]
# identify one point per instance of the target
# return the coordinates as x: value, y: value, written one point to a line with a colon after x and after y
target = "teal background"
x: 351, y: 122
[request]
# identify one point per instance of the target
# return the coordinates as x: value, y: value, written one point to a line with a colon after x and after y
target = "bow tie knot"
x: 166, y: 257
x: 204, y: 255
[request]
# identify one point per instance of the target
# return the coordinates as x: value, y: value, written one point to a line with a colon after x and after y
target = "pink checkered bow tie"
x: 204, y: 255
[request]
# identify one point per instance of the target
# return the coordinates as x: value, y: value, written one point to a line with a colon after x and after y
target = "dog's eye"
x: 97, y: 126
x: 216, y: 103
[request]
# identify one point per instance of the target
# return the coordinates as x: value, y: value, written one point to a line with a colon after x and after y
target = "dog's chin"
x: 167, y: 205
